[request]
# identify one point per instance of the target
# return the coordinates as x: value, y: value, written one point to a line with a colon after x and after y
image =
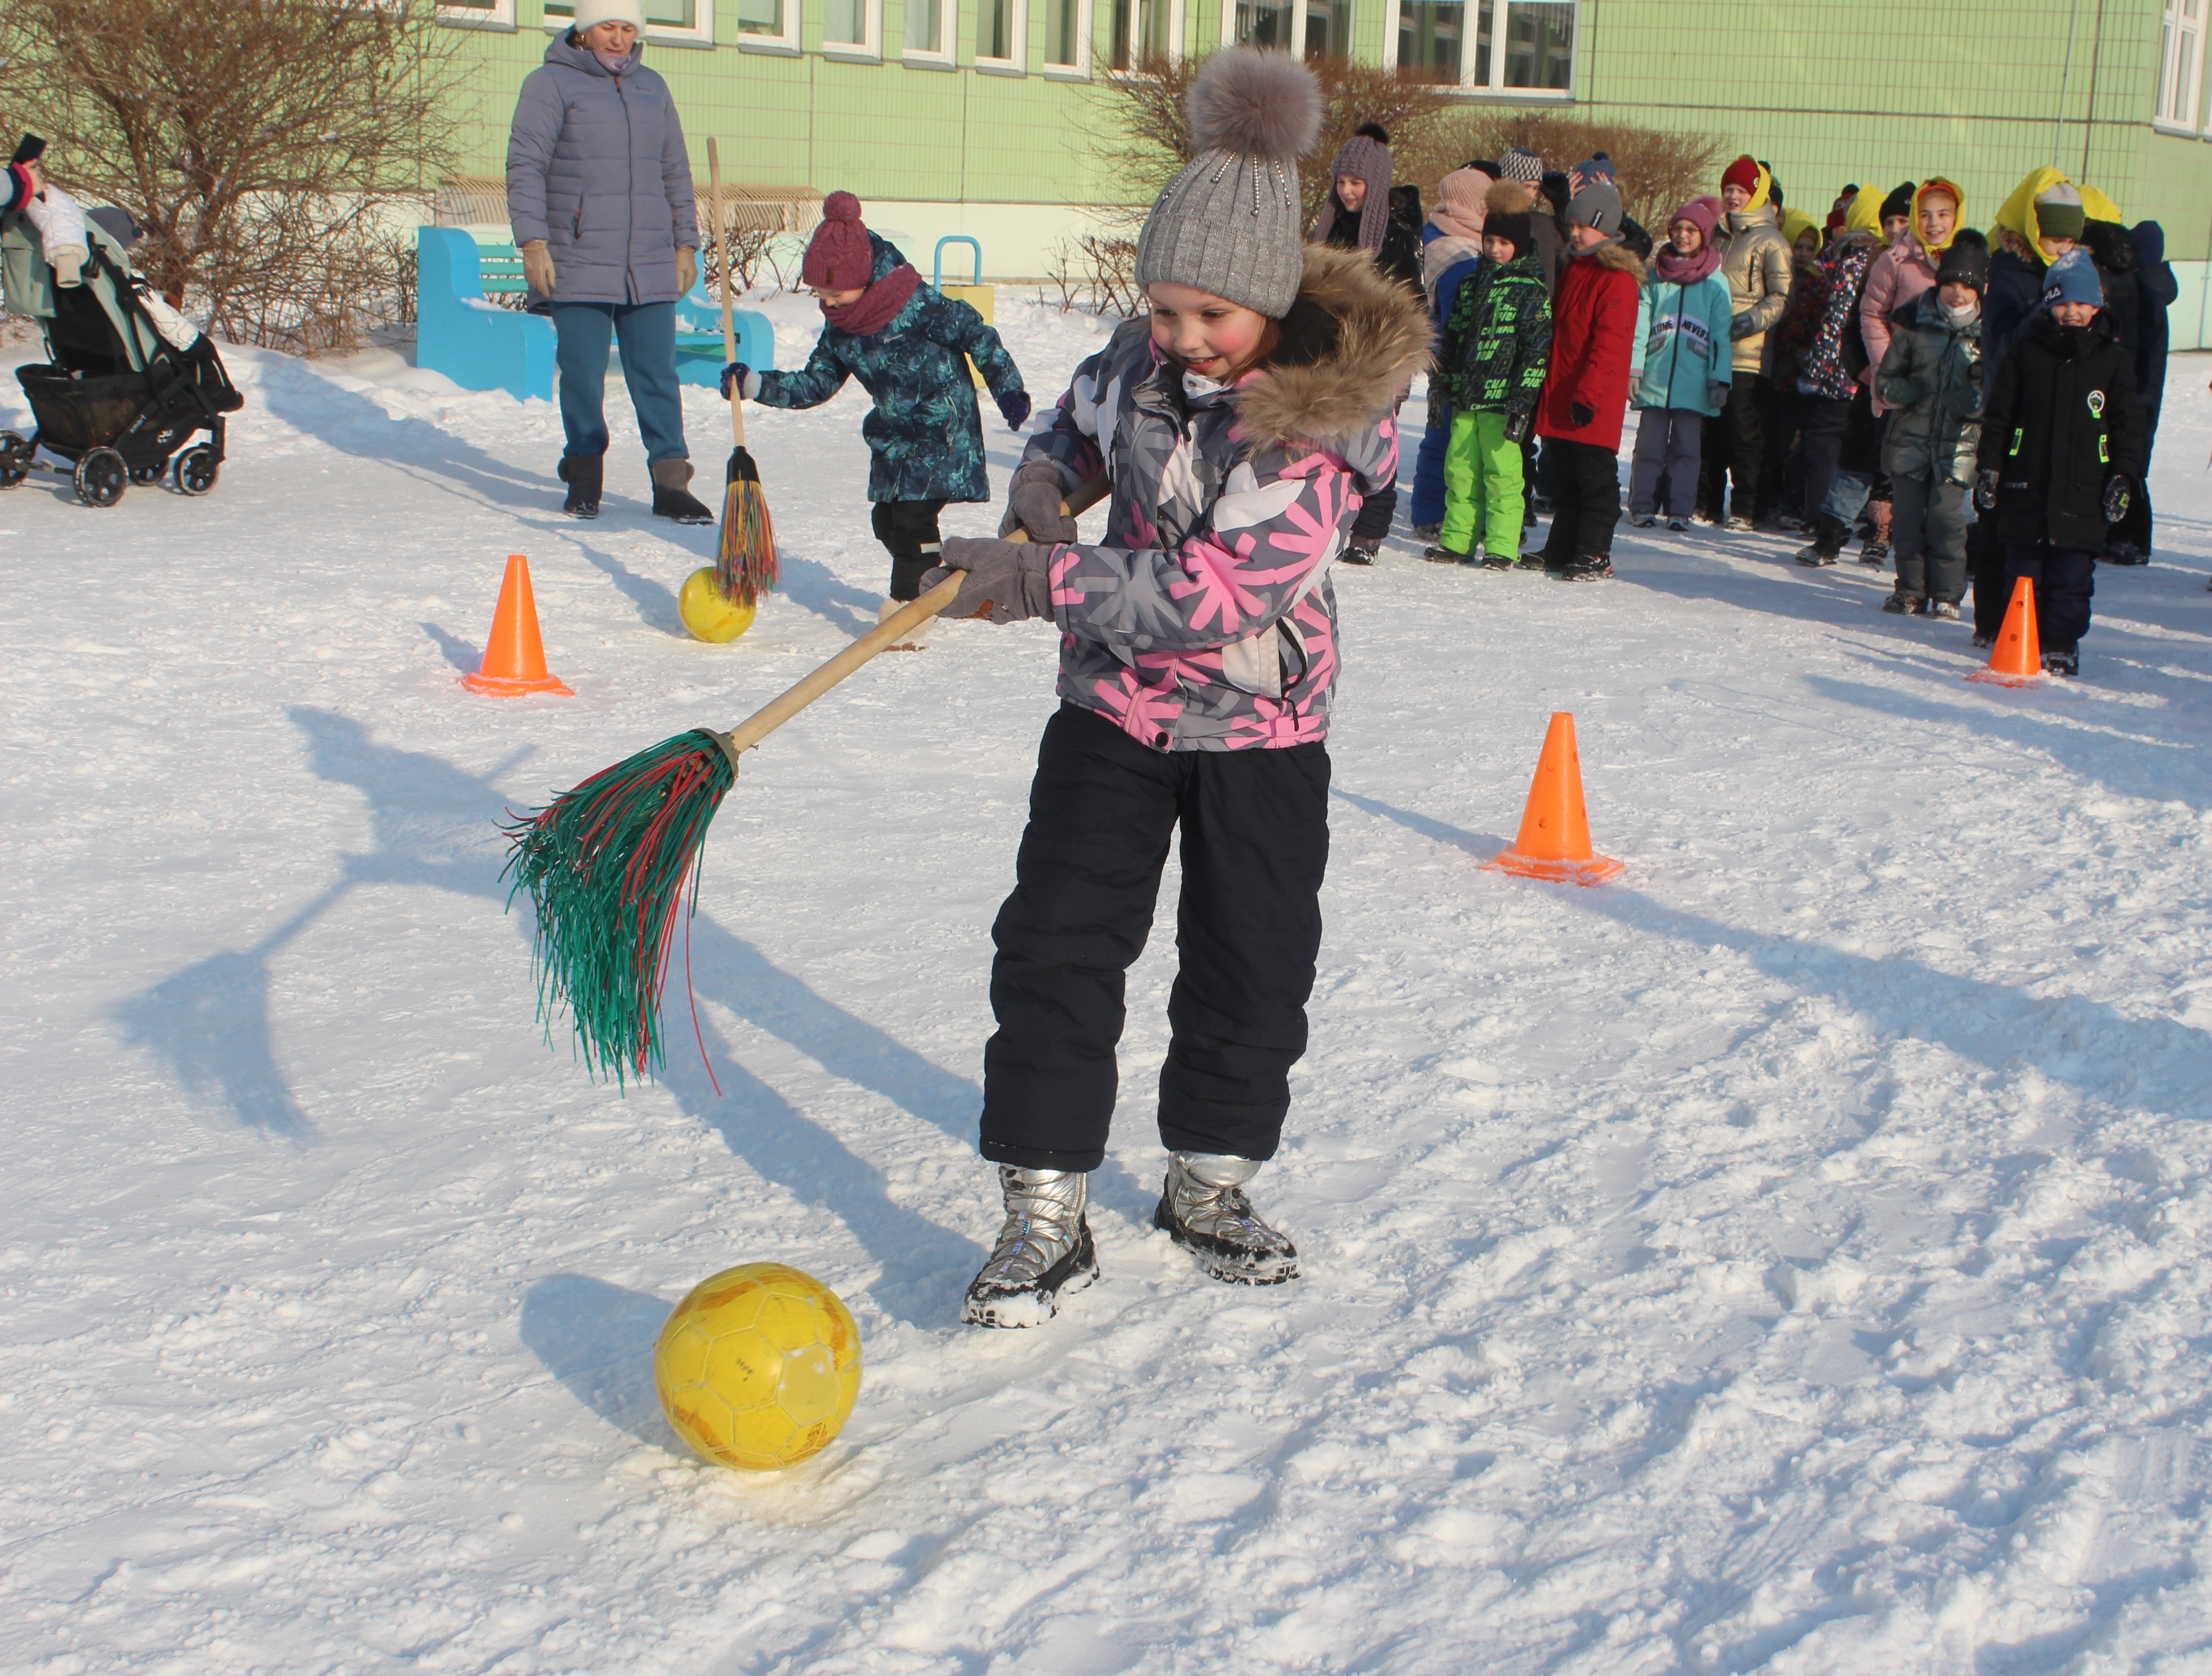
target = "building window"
x: 1538, y: 50
x: 1304, y: 28
x: 772, y: 23
x: 477, y: 14
x: 2180, y: 63
x: 690, y: 23
x: 1002, y: 34
x: 852, y: 28
x: 1067, y: 37
x: 1142, y: 27
x: 929, y: 29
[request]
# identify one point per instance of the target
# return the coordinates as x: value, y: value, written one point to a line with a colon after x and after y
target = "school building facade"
x: 982, y: 117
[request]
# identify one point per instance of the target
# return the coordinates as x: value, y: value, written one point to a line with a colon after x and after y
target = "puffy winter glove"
x: 1516, y: 427
x: 2116, y: 499
x: 1741, y: 326
x: 1015, y: 404
x: 1718, y: 394
x: 69, y: 264
x: 1033, y: 504
x: 1007, y: 580
x: 743, y: 380
x: 1985, y: 491
x: 1579, y: 414
x: 687, y: 269
x: 537, y: 267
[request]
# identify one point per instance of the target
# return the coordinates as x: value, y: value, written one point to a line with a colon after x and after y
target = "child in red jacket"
x: 1586, y: 392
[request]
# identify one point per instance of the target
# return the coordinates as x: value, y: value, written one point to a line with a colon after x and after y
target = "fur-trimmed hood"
x: 1614, y: 254
x: 1511, y: 197
x: 1357, y: 374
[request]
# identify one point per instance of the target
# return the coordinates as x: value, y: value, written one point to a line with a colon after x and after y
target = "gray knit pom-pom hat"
x: 1229, y: 223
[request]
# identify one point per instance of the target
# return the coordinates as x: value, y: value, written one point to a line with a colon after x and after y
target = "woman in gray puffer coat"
x: 598, y: 189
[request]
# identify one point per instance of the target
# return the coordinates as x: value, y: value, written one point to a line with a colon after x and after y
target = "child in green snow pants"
x: 1482, y: 486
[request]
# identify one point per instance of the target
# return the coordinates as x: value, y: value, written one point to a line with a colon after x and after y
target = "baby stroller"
x: 118, y: 399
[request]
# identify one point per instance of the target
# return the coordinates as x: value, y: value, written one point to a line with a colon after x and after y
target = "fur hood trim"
x: 1618, y: 256
x: 1383, y: 338
x: 1510, y: 197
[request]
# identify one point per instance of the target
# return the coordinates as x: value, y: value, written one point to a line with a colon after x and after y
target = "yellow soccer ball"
x: 759, y: 1367
x: 710, y: 614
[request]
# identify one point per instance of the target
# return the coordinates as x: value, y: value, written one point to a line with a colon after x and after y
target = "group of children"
x: 1886, y: 365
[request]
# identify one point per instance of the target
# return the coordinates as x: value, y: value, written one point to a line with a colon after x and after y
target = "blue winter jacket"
x: 1687, y: 346
x: 596, y: 168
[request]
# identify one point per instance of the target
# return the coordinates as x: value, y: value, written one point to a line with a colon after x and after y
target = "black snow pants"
x: 907, y: 530
x: 1736, y: 444
x: 2064, y: 579
x: 1103, y: 810
x: 1589, y: 506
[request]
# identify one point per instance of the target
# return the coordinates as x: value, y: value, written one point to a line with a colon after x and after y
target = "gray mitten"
x: 1033, y: 503
x: 1985, y: 490
x: 1006, y: 582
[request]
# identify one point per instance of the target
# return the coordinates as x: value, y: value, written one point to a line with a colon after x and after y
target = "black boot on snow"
x: 582, y: 473
x: 1044, y: 1249
x: 1203, y: 1209
x: 1585, y: 568
x: 672, y: 498
x: 1829, y: 535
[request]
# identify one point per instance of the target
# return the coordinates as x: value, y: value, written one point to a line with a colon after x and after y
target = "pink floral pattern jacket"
x: 1204, y: 620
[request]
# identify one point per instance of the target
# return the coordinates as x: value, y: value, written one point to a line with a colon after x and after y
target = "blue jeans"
x: 647, y: 332
x: 1429, y: 464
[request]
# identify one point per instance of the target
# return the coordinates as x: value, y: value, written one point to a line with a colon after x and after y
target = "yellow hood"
x: 1936, y: 183
x: 2018, y: 211
x: 1796, y: 223
x: 1865, y: 215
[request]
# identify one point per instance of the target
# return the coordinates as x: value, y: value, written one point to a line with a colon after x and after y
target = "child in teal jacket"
x: 1687, y: 365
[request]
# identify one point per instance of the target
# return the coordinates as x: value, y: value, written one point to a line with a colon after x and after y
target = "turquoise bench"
x: 481, y: 346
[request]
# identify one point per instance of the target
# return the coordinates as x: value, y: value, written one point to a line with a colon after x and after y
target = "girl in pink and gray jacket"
x: 1239, y: 428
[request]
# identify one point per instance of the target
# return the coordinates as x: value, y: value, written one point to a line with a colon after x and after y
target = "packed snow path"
x: 1794, y: 1256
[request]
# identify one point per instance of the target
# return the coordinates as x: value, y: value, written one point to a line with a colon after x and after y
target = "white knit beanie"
x: 589, y: 12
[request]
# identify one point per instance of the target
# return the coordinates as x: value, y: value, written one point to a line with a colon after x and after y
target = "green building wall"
x: 1876, y: 93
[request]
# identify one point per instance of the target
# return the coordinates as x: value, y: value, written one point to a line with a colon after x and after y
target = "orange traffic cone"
x: 514, y: 659
x: 2016, y: 660
x: 1555, y: 841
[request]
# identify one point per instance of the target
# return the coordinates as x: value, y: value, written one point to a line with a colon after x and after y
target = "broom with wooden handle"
x: 606, y: 864
x: 744, y: 563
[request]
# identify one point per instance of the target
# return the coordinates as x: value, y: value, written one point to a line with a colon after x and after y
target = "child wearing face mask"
x: 2061, y: 452
x: 1931, y: 381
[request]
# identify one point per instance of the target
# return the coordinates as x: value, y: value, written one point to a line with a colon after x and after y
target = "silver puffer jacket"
x: 1204, y: 620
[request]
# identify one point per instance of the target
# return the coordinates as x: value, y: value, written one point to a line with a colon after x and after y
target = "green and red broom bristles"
x: 744, y: 563
x: 606, y: 867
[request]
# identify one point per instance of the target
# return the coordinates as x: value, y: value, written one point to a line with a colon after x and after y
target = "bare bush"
x: 1145, y: 133
x: 270, y: 149
x: 1658, y: 168
x: 1097, y: 273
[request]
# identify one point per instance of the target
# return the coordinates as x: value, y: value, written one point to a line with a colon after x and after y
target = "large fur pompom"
x: 1255, y: 104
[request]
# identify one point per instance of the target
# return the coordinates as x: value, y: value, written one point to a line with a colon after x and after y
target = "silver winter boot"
x: 1043, y: 1250
x: 1204, y: 1210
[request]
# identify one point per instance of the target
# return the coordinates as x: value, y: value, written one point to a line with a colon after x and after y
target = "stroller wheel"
x: 101, y: 477
x: 15, y: 452
x: 196, y: 470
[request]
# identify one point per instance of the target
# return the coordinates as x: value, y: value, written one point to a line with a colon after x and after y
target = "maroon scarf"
x: 878, y: 305
x: 1677, y: 268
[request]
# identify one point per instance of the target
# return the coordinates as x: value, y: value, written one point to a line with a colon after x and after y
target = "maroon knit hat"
x: 838, y: 256
x: 1744, y: 172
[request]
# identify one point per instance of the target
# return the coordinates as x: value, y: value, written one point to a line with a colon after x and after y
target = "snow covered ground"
x: 1796, y: 1256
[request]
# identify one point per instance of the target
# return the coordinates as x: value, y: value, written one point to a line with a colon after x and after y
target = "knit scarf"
x: 1677, y: 268
x: 878, y: 305
x: 616, y: 63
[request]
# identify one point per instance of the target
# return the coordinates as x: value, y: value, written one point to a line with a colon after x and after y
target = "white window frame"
x: 1298, y: 9
x: 945, y: 54
x: 1086, y: 22
x: 499, y: 15
x: 702, y: 32
x: 787, y: 43
x: 2177, y: 99
x: 1018, y: 62
x: 1471, y: 37
x: 1178, y: 21
x: 869, y: 50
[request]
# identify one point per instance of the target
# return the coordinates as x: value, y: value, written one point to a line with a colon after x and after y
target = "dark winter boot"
x: 582, y: 473
x: 1829, y: 535
x: 672, y: 497
x: 1901, y: 604
x: 2064, y: 660
x: 1361, y: 550
x: 1203, y: 1209
x: 1044, y: 1249
x: 1446, y: 556
x: 1585, y: 568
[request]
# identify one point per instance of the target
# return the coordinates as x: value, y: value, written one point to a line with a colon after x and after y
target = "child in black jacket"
x: 2062, y: 451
